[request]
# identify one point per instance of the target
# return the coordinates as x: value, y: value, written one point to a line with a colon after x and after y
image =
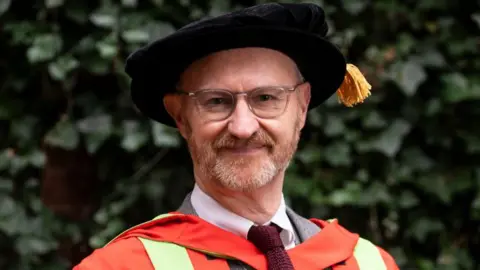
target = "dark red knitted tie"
x: 267, y: 240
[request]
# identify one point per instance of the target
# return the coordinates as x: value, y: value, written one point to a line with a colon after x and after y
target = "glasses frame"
x: 247, y: 94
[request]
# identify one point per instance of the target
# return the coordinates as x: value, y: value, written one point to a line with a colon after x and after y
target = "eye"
x: 216, y: 101
x: 214, y: 98
x: 265, y: 97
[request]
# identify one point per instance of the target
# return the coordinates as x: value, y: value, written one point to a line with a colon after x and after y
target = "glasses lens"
x: 214, y: 104
x: 268, y: 102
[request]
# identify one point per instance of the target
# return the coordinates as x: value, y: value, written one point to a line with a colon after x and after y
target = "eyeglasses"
x: 219, y: 104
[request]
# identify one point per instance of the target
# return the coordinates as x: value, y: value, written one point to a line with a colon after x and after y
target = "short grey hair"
x: 299, y: 74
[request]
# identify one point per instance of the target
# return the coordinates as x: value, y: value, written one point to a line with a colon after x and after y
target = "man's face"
x: 244, y: 151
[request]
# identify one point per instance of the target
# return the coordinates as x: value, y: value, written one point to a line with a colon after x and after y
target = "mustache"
x: 257, y: 139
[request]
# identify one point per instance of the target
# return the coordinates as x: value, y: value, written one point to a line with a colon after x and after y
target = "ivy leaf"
x: 4, y: 6
x: 389, y: 141
x: 423, y: 227
x: 63, y: 135
x: 62, y: 66
x: 405, y: 44
x: 101, y: 216
x: 407, y: 200
x: 136, y: 36
x: 5, y: 158
x: 129, y: 3
x: 17, y: 164
x: 433, y: 107
x: 94, y: 141
x: 436, y: 185
x: 334, y: 125
x: 13, y: 219
x: 157, y: 3
x: 22, y: 33
x: 309, y: 155
x: 409, y: 76
x: 374, y: 120
x: 459, y: 88
x: 36, y: 158
x: 375, y: 193
x: 77, y: 12
x: 475, y: 210
x: 114, y: 227
x: 54, y: 3
x: 218, y: 7
x: 45, y: 47
x: 97, y: 129
x: 24, y: 129
x: 476, y: 18
x: 105, y: 17
x: 134, y: 137
x: 338, y: 154
x: 100, y: 123
x: 314, y: 118
x: 163, y: 136
x: 97, y: 65
x: 472, y: 141
x: 6, y: 187
x: 7, y: 207
x: 354, y: 7
x: 348, y: 195
x: 31, y: 245
x: 157, y: 29
x: 340, y: 198
x: 416, y: 159
x: 107, y: 47
x: 431, y: 58
x: 85, y: 45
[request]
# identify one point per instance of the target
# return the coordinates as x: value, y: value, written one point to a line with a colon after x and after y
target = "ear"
x: 305, y: 95
x: 304, y: 101
x: 173, y: 105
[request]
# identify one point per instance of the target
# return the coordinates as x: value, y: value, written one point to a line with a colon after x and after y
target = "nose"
x: 243, y: 123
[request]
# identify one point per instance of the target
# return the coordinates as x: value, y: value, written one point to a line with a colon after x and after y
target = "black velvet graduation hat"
x: 297, y: 30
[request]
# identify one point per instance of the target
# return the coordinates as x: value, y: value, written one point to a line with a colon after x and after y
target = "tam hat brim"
x: 156, y: 68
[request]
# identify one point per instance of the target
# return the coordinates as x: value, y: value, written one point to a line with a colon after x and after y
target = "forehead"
x: 240, y: 69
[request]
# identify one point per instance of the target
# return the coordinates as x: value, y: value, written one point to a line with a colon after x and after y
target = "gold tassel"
x: 355, y: 88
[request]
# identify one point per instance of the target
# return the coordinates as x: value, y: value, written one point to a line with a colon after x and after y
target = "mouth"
x: 247, y: 150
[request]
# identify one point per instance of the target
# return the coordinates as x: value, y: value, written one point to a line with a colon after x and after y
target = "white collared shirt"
x: 211, y: 211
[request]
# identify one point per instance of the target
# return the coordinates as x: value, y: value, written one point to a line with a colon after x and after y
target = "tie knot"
x: 265, y: 238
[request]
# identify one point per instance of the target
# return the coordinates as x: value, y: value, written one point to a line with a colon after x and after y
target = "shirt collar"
x: 211, y: 211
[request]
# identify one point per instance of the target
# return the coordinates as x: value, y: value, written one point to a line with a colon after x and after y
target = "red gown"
x: 332, y: 247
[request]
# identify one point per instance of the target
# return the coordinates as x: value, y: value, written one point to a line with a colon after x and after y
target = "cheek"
x: 198, y: 130
x: 206, y: 132
x: 281, y: 130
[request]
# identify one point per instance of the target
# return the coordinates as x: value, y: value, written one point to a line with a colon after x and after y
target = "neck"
x: 258, y: 205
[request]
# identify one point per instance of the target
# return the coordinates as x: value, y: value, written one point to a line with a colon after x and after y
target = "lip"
x: 244, y: 150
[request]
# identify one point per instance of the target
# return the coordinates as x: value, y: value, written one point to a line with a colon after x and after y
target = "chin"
x: 245, y: 178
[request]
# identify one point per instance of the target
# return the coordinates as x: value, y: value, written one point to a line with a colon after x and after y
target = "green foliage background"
x: 79, y: 164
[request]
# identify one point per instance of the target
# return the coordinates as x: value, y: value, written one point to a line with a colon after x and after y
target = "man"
x: 238, y: 88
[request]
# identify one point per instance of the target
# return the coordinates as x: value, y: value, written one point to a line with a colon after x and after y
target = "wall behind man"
x: 79, y: 164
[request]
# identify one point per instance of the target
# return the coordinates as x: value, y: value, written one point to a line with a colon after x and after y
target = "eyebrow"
x: 289, y: 85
